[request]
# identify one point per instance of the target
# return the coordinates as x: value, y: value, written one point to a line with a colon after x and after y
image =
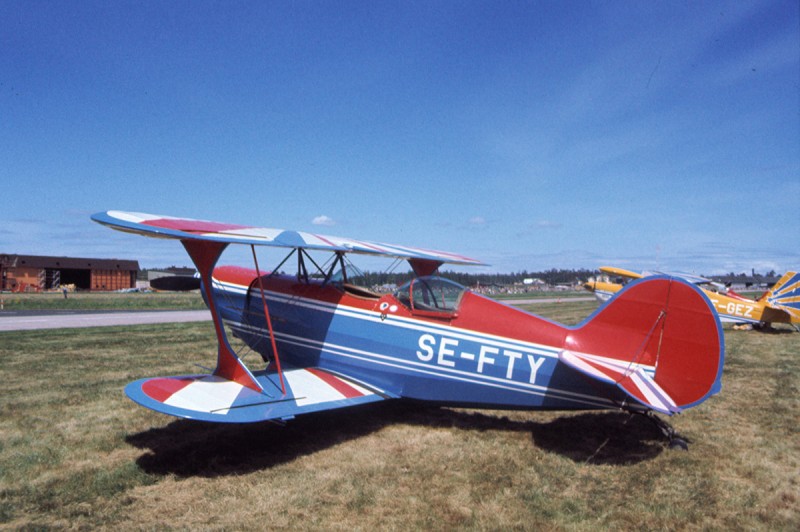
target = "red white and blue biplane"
x: 656, y: 346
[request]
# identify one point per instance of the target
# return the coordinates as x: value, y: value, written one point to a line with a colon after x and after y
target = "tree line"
x: 551, y: 277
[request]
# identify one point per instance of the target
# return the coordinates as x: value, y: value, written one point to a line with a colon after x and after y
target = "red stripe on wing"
x: 192, y: 226
x: 336, y: 383
x: 163, y: 389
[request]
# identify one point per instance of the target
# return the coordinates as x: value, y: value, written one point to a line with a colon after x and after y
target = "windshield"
x: 432, y: 294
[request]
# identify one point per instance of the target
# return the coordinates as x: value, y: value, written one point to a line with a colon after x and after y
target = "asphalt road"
x: 48, y: 319
x: 536, y: 300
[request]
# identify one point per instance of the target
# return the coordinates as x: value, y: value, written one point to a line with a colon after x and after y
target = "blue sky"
x: 529, y: 135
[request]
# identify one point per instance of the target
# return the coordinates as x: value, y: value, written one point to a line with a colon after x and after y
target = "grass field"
x: 103, y: 301
x: 75, y: 453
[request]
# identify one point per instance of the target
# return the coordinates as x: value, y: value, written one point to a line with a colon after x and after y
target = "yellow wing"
x: 611, y: 270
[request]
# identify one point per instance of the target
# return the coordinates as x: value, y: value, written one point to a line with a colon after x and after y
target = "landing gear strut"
x: 676, y: 441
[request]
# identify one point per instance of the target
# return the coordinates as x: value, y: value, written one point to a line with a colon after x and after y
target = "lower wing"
x: 214, y: 398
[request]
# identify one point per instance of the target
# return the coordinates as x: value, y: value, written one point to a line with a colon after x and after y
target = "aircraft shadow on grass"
x: 192, y: 448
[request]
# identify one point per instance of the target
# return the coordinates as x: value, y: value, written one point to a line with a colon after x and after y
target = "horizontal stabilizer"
x: 630, y: 377
x: 213, y: 398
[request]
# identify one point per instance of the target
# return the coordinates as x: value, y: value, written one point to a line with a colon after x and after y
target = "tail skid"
x: 659, y: 340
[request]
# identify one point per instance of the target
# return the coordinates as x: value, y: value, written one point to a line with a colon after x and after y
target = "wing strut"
x: 269, y: 321
x: 423, y: 267
x: 205, y: 254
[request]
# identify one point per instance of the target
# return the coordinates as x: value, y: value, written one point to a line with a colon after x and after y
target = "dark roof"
x: 175, y: 270
x: 746, y: 279
x: 72, y: 263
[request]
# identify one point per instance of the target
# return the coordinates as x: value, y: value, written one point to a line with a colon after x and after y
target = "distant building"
x: 533, y: 280
x: 33, y: 273
x: 169, y: 272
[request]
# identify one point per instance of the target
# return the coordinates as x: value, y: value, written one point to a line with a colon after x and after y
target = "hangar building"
x: 20, y: 273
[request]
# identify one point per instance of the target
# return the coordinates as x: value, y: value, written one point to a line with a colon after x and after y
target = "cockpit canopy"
x: 431, y: 294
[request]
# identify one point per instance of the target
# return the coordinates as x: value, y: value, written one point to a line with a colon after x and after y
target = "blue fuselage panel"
x: 408, y: 357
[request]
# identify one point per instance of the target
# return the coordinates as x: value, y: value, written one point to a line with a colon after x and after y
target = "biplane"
x: 323, y: 342
x: 779, y: 304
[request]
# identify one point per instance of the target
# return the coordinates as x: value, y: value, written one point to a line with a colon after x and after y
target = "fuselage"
x: 468, y: 351
x: 602, y: 290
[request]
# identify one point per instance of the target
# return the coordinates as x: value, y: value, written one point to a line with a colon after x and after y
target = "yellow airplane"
x: 780, y: 304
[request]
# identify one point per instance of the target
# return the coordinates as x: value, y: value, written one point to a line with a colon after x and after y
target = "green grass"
x: 75, y: 453
x: 103, y: 301
x: 565, y: 311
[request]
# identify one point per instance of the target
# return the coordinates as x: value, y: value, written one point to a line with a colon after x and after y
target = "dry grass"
x: 75, y: 453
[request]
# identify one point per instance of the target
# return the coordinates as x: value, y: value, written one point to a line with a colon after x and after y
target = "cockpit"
x: 431, y: 294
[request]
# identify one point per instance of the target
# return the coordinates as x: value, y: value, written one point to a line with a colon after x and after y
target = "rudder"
x: 659, y: 340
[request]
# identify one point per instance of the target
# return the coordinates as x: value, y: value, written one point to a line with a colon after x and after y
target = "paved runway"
x: 31, y: 320
x: 536, y: 300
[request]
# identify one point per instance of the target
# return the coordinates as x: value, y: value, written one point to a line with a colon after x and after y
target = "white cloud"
x: 477, y: 220
x: 548, y: 224
x: 323, y: 220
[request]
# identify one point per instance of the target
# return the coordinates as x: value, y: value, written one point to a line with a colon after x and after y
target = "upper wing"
x: 214, y: 398
x: 689, y: 278
x: 187, y: 229
x: 611, y: 270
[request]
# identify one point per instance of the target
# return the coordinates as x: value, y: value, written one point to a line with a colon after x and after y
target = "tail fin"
x: 659, y: 340
x: 785, y: 296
